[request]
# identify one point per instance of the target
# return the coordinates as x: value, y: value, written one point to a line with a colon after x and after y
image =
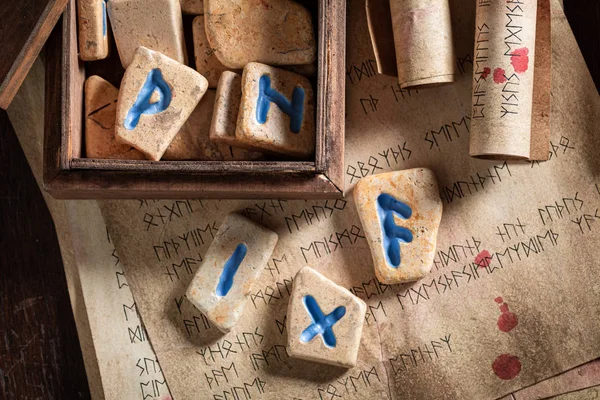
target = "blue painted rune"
x: 103, y: 17
x: 268, y: 95
x: 392, y: 234
x: 322, y: 325
x: 230, y: 268
x: 154, y: 83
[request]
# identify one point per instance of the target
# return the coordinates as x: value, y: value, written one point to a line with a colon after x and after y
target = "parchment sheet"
x: 118, y: 357
x: 584, y: 394
x: 423, y: 42
x: 412, y: 40
x: 577, y: 379
x: 516, y: 252
x: 510, y: 101
x: 28, y: 126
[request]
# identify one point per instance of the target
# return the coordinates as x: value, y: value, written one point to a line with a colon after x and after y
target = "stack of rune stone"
x: 238, y: 104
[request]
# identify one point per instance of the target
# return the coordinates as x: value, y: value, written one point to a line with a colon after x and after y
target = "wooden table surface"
x: 40, y: 356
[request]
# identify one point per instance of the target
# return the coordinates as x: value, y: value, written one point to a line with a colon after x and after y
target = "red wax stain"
x: 483, y: 259
x: 520, y: 60
x: 507, y: 320
x: 167, y: 397
x: 499, y: 75
x: 486, y: 72
x: 506, y: 366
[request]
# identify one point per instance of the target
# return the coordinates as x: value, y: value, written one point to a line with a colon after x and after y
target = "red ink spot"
x: 499, y: 75
x: 520, y: 60
x: 486, y: 72
x: 483, y: 259
x: 506, y: 366
x: 507, y: 320
x: 167, y: 397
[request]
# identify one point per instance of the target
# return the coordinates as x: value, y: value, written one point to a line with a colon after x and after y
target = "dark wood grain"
x: 53, y: 120
x: 331, y: 83
x: 194, y: 167
x: 40, y: 357
x: 67, y: 175
x: 24, y: 28
x: 85, y: 184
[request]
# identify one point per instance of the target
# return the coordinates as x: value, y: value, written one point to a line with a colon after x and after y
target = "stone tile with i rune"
x: 400, y: 213
x: 100, y: 112
x: 157, y: 96
x: 155, y: 24
x: 324, y: 320
x: 277, y: 112
x: 231, y: 266
x: 93, y: 35
x: 276, y: 32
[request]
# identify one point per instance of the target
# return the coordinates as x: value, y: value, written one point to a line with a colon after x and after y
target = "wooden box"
x: 25, y: 27
x: 69, y: 175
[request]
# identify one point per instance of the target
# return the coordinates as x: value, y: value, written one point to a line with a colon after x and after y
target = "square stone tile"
x: 400, y: 213
x: 231, y: 266
x: 93, y: 35
x: 227, y: 106
x: 224, y: 119
x: 100, y: 114
x: 157, y: 96
x: 275, y: 32
x: 324, y: 320
x: 277, y: 112
x: 207, y: 62
x: 155, y: 24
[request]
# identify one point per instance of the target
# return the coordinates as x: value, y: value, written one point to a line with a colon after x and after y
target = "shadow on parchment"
x: 275, y: 361
x: 307, y: 371
x: 193, y: 326
x: 270, y: 357
x: 575, y: 104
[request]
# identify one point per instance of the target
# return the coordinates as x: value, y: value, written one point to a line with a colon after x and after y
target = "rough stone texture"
x: 418, y: 189
x: 276, y: 32
x: 227, y: 106
x: 154, y: 132
x: 93, y: 34
x: 155, y: 24
x: 206, y: 61
x: 195, y: 7
x: 275, y: 134
x: 100, y: 113
x: 192, y: 141
x: 224, y: 310
x: 329, y: 296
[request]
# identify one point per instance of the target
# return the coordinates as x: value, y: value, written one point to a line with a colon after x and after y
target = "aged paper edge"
x: 540, y: 113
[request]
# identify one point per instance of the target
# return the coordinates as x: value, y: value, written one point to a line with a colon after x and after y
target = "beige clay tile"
x: 400, y: 213
x: 157, y: 96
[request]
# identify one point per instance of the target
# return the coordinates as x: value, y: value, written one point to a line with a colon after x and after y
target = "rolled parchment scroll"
x: 503, y: 79
x: 423, y: 42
